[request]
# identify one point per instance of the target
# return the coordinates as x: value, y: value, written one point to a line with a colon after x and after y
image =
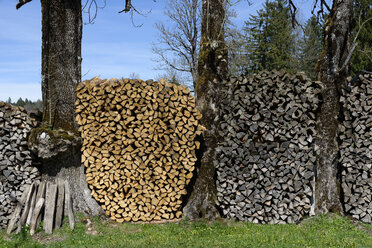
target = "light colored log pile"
x: 45, y: 201
x: 138, y: 146
x: 356, y: 148
x: 16, y: 167
x: 266, y: 153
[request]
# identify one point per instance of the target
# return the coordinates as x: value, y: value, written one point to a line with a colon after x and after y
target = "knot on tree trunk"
x: 48, y: 144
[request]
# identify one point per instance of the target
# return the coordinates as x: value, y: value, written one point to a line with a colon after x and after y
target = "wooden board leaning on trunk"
x: 51, y: 197
x: 138, y: 146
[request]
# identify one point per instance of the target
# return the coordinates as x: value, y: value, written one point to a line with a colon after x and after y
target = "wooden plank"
x: 50, y: 203
x: 34, y: 219
x: 33, y: 201
x: 60, y: 201
x: 26, y: 209
x: 17, y: 210
x: 68, y: 205
x: 40, y: 194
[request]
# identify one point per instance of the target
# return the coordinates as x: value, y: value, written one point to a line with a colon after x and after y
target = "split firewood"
x: 138, y: 146
x: 17, y: 170
x: 356, y: 148
x: 266, y: 152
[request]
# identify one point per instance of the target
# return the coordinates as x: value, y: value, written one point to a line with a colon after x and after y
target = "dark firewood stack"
x: 138, y: 146
x: 266, y: 153
x: 16, y: 168
x: 356, y: 148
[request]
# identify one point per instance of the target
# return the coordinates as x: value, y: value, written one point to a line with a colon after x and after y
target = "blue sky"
x: 112, y: 46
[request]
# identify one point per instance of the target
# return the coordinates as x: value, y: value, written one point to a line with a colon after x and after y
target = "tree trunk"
x: 59, y: 150
x: 61, y: 60
x: 212, y: 68
x: 330, y: 71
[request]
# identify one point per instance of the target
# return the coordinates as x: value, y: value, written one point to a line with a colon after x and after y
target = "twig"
x: 21, y: 3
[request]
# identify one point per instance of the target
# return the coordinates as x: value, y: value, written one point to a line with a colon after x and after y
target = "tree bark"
x: 59, y: 150
x: 61, y: 60
x: 212, y: 68
x: 327, y: 196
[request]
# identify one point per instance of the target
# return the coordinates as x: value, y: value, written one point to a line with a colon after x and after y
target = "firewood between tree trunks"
x: 138, y: 146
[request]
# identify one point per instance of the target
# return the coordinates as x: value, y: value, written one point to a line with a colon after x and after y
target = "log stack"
x: 356, y: 148
x: 138, y: 146
x: 17, y: 170
x: 266, y: 152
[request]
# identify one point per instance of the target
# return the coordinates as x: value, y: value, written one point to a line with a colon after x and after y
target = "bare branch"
x: 21, y: 3
x: 91, y: 8
x: 346, y: 62
x: 178, y: 41
x: 354, y: 44
x: 366, y: 53
x: 293, y: 11
x: 128, y: 6
x: 322, y: 4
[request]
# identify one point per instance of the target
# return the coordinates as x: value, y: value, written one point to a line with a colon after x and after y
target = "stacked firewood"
x: 138, y: 146
x: 356, y: 148
x: 16, y: 167
x: 266, y: 153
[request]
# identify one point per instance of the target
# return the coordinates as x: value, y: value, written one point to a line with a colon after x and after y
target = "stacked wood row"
x: 356, y: 148
x: 138, y: 146
x: 266, y: 153
x: 47, y: 202
x: 16, y: 167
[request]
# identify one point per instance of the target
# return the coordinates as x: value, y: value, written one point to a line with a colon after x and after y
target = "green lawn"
x: 322, y: 231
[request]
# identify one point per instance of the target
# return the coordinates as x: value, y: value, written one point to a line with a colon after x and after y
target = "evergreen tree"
x: 20, y: 102
x: 362, y: 56
x: 311, y: 46
x: 270, y: 38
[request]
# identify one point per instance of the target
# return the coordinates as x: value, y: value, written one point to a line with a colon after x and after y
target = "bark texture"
x: 335, y: 52
x: 61, y: 60
x: 60, y: 73
x: 212, y: 68
x: 60, y: 156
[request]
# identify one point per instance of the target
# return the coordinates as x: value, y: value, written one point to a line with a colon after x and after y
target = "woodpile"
x: 45, y: 201
x: 17, y: 170
x: 356, y: 148
x: 138, y: 146
x: 266, y: 153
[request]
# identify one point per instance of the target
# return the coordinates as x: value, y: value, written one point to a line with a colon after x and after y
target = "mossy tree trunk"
x: 332, y: 72
x: 212, y: 69
x: 61, y: 60
x: 61, y: 72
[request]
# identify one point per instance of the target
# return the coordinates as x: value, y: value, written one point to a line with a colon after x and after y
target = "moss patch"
x: 55, y: 135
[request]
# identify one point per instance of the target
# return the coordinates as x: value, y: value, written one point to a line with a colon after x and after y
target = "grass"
x: 321, y: 231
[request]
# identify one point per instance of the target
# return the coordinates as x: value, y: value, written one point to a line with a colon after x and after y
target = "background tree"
x: 178, y: 44
x: 332, y: 70
x: 362, y: 57
x: 134, y: 75
x: 310, y: 46
x: 237, y: 50
x: 270, y: 38
x: 60, y: 73
x: 173, y: 76
x: 212, y: 69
